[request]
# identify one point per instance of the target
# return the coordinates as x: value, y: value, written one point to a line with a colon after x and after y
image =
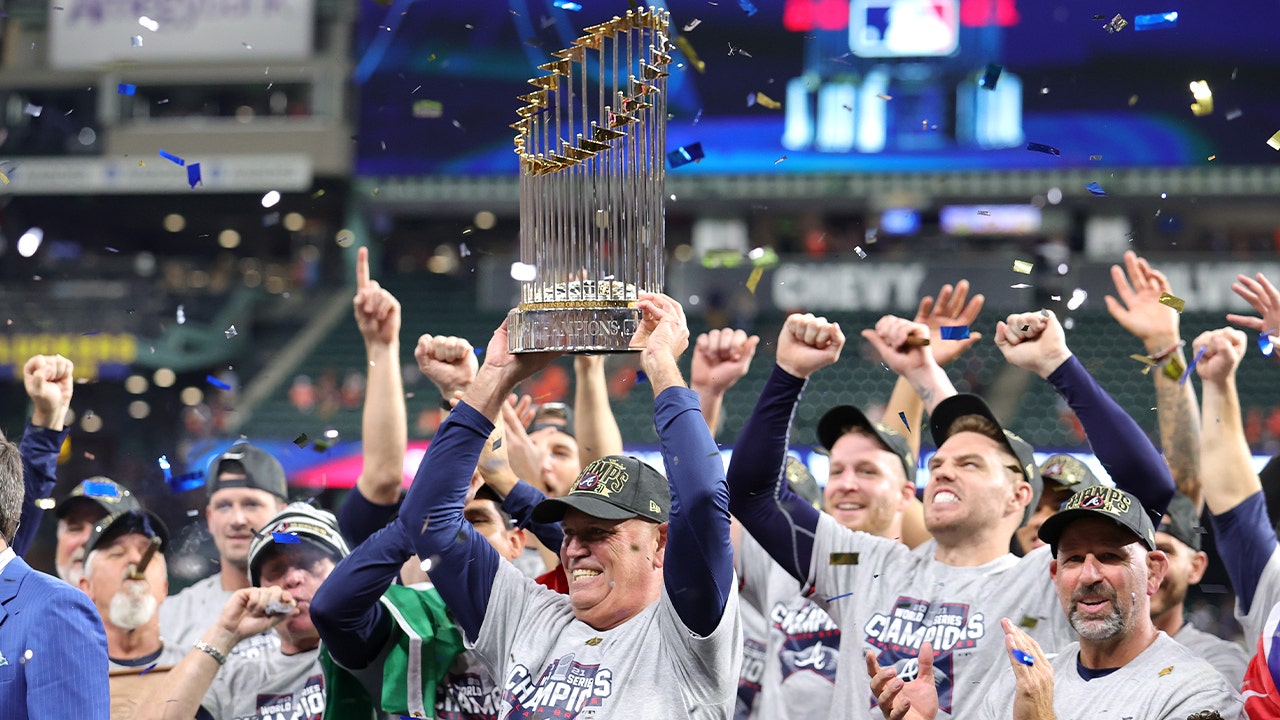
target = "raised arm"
x: 1139, y: 310
x: 518, y: 497
x: 904, y: 346
x: 1036, y: 342
x: 384, y: 428
x: 760, y: 496
x: 698, y: 572
x: 48, y: 382
x: 594, y: 425
x: 720, y: 359
x: 463, y: 562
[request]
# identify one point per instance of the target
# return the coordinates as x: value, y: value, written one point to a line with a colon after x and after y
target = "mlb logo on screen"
x: 904, y: 28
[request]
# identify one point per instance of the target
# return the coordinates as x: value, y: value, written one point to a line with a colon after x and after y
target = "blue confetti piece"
x: 565, y: 5
x: 172, y: 158
x: 1041, y: 147
x: 747, y: 7
x: 903, y: 417
x: 193, y: 175
x: 837, y: 597
x: 164, y: 467
x: 187, y: 481
x: 955, y: 332
x: 286, y: 538
x: 1187, y: 373
x: 685, y: 155
x: 1023, y: 657
x: 1096, y: 189
x: 216, y: 382
x: 101, y: 489
x: 148, y: 668
x: 991, y: 76
x: 126, y: 89
x: 641, y: 378
x: 1264, y: 344
x: 1156, y: 21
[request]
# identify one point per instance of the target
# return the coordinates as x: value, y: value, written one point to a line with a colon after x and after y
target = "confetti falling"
x: 641, y: 377
x: 1019, y: 286
x: 1096, y: 189
x: 523, y: 272
x: 1022, y: 266
x: 46, y: 503
x: 230, y: 332
x: 884, y: 97
x: 302, y: 440
x: 903, y: 417
x: 747, y: 7
x: 216, y: 382
x: 101, y: 489
x: 860, y: 252
x: 286, y: 538
x: 754, y: 279
x: 1274, y: 141
x: 955, y: 332
x: 1172, y: 301
x: 991, y: 76
x: 692, y: 24
x: 566, y: 5
x: 172, y: 158
x: 136, y: 41
x: 1265, y: 345
x: 148, y: 23
x: 127, y: 89
x: 691, y: 55
x: 685, y: 155
x: 193, y: 175
x: 763, y: 100
x: 1187, y: 373
x: 1041, y: 147
x: 181, y: 316
x: 1203, y: 104
x: 1022, y: 656
x: 1155, y: 21
x: 33, y: 110
x: 1116, y: 24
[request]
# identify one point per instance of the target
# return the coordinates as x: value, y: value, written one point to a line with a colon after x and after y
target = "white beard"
x: 132, y: 606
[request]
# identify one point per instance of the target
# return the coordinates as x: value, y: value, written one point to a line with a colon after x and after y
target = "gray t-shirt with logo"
x: 889, y: 600
x: 1165, y: 682
x: 1228, y: 657
x: 802, y: 642
x: 185, y: 616
x: 268, y: 687
x: 550, y: 664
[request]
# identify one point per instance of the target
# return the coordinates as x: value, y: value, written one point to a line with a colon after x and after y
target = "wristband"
x: 212, y: 651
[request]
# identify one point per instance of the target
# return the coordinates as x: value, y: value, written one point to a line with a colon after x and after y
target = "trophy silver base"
x: 573, y: 330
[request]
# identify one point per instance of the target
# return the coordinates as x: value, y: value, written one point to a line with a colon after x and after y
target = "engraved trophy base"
x: 583, y: 329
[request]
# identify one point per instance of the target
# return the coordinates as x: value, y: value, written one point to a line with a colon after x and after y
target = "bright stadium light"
x: 30, y: 241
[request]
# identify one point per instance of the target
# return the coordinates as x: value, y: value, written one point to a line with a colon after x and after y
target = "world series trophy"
x: 592, y: 146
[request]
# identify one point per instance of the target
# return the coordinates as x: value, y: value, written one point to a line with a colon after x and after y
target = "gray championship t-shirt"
x: 272, y: 686
x: 1165, y: 682
x: 550, y: 664
x: 186, y: 616
x: 1264, y: 598
x: 889, y: 600
x: 802, y: 642
x: 1228, y: 657
x: 755, y: 635
x: 168, y: 656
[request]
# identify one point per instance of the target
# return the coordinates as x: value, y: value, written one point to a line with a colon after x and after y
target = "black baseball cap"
x: 99, y: 491
x: 262, y: 471
x: 1101, y: 501
x: 139, y: 521
x: 958, y: 406
x: 1181, y: 521
x: 553, y: 414
x: 840, y: 420
x: 298, y: 523
x: 1068, y: 473
x: 612, y: 488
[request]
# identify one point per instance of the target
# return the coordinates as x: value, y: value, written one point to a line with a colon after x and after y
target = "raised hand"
x: 523, y: 455
x: 1033, y: 690
x: 1223, y: 350
x: 1139, y: 310
x: 898, y: 700
x: 377, y: 310
x: 952, y: 308
x: 245, y: 614
x: 48, y: 381
x: 1033, y: 341
x: 902, y: 344
x: 449, y: 362
x: 807, y: 344
x: 1264, y: 298
x: 720, y: 359
x: 664, y: 335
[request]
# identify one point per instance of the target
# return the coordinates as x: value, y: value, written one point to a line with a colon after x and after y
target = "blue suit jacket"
x: 65, y: 675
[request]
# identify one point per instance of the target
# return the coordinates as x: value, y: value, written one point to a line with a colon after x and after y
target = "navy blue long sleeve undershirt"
x: 39, y: 451
x: 346, y: 609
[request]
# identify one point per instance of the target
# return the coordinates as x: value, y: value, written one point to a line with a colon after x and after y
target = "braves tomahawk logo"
x: 811, y: 640
x: 911, y: 623
x: 565, y: 690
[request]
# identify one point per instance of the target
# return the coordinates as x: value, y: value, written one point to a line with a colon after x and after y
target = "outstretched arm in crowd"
x: 1232, y: 491
x: 48, y: 382
x: 384, y: 428
x: 594, y: 426
x: 720, y: 359
x: 1036, y: 342
x: 518, y: 497
x: 905, y: 346
x: 1139, y: 310
x: 463, y: 562
x: 760, y: 497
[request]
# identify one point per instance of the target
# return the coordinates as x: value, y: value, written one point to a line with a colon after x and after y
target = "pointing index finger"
x: 362, y: 269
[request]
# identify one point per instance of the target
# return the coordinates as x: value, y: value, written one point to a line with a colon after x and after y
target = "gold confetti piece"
x: 1166, y: 671
x: 1274, y: 142
x: 595, y: 641
x: 754, y: 280
x: 1022, y: 266
x: 767, y: 101
x: 882, y: 96
x: 1203, y: 104
x: 4, y: 178
x: 843, y: 558
x: 1029, y: 622
x: 1174, y: 302
x: 1144, y: 359
x: 686, y: 47
x: 1133, y: 100
x: 45, y: 503
x: 1174, y: 368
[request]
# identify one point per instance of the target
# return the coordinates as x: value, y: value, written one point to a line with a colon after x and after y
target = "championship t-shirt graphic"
x: 749, y: 680
x: 305, y: 703
x: 466, y: 696
x: 565, y: 689
x: 911, y: 623
x: 812, y: 641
